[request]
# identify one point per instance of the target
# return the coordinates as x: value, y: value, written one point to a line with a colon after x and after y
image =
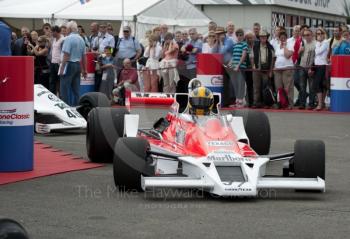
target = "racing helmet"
x: 200, y: 101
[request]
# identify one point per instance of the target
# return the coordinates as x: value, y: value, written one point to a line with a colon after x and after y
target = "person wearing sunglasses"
x: 104, y: 39
x: 209, y: 45
x: 307, y: 56
x: 41, y: 66
x: 321, y: 62
x: 127, y: 47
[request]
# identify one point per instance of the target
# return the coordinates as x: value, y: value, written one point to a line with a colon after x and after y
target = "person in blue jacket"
x: 5, y: 39
x: 344, y: 46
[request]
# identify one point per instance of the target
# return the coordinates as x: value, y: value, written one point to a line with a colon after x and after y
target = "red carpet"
x: 49, y: 161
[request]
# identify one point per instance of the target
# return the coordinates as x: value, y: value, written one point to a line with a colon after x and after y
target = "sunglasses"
x: 126, y: 31
x: 211, y: 36
x: 307, y: 35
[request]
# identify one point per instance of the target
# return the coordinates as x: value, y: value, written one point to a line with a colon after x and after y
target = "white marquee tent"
x: 140, y: 15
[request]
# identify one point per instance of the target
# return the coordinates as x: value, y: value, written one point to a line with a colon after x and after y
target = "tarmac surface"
x: 85, y: 204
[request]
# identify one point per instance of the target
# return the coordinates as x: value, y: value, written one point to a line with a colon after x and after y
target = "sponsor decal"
x: 61, y: 105
x: 16, y: 113
x: 151, y: 95
x: 219, y: 143
x: 43, y: 92
x: 227, y: 157
x: 211, y: 80
x: 8, y: 111
x: 339, y: 83
x: 217, y: 80
x: 89, y: 80
x: 54, y: 98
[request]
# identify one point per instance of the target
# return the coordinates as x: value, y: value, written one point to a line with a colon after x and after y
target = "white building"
x: 270, y: 13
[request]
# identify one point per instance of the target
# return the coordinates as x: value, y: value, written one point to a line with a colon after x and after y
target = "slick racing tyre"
x: 92, y: 100
x: 257, y: 127
x: 309, y: 159
x: 104, y: 127
x: 131, y: 160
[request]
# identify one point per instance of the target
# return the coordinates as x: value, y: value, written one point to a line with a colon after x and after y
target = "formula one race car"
x: 195, y: 146
x: 51, y: 114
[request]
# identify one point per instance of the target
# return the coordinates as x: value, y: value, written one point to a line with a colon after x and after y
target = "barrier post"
x: 340, y: 83
x: 16, y: 113
x: 88, y: 84
x: 210, y: 71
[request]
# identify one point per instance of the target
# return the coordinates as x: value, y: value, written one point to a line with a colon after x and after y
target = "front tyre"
x: 131, y: 160
x: 104, y: 127
x: 309, y: 159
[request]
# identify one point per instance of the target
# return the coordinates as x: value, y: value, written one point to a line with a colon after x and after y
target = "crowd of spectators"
x: 261, y: 70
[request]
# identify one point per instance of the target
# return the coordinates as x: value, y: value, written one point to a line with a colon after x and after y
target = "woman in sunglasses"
x: 209, y: 46
x: 321, y: 62
x: 40, y: 52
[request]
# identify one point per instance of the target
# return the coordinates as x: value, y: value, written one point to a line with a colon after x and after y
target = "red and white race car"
x: 225, y: 155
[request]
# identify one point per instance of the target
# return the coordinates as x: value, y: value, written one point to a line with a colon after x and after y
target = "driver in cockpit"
x: 200, y: 101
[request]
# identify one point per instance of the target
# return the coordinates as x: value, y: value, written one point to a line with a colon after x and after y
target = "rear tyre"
x: 257, y: 127
x: 131, y: 160
x: 309, y: 159
x: 104, y: 127
x: 92, y: 100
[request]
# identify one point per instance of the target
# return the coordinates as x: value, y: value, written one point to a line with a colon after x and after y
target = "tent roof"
x: 73, y: 9
x: 170, y: 12
x: 32, y: 8
x: 106, y: 9
x: 173, y: 12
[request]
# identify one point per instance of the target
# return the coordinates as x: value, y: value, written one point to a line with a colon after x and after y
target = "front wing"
x: 59, y: 127
x: 236, y: 177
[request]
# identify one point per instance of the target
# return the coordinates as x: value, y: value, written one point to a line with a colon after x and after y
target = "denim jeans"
x: 304, y: 80
x: 70, y: 84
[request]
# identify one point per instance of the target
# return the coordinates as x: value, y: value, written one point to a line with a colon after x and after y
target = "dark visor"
x: 201, y: 102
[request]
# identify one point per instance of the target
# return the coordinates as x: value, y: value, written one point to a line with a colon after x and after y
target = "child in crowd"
x: 108, y: 72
